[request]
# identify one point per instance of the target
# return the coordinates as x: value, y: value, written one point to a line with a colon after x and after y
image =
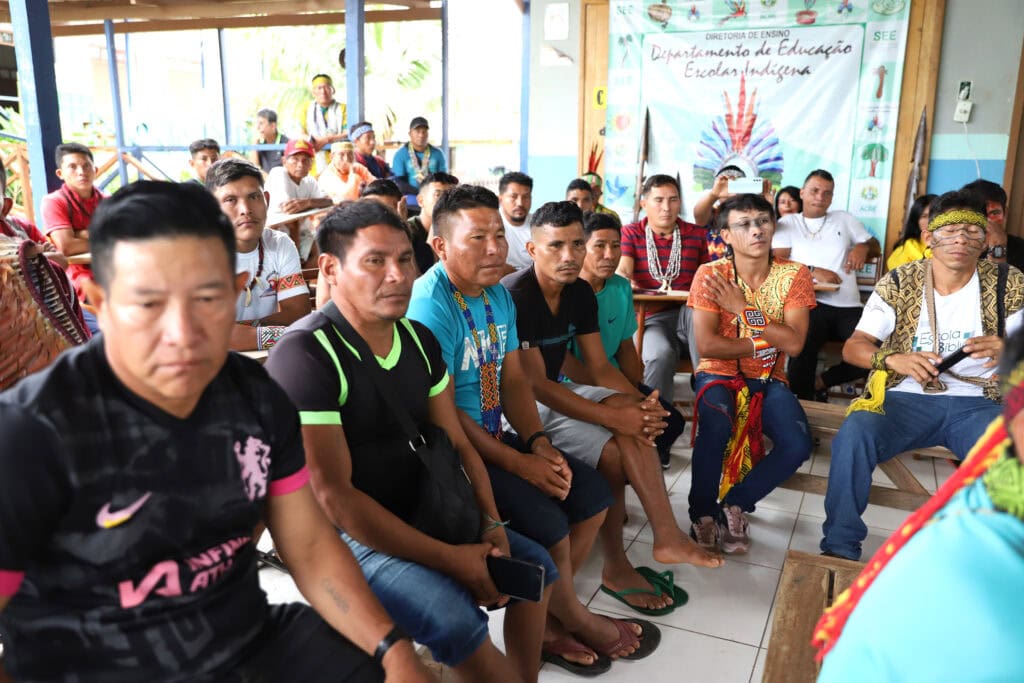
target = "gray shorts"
x: 582, y: 440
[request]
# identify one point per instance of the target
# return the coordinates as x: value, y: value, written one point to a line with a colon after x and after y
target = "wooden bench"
x: 824, y: 420
x: 809, y: 584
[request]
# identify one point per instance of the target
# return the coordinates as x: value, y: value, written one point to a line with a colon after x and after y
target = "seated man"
x: 68, y: 210
x: 135, y: 468
x: 596, y: 183
x: 969, y: 534
x: 268, y: 134
x: 999, y: 246
x: 579, y: 193
x: 609, y: 426
x: 203, y: 154
x: 679, y: 248
x: 515, y: 193
x: 364, y: 473
x: 365, y: 140
x: 834, y: 246
x: 555, y: 500
x: 385, y: 192
x: 421, y: 226
x: 418, y: 159
x: 275, y: 293
x: 293, y: 190
x: 750, y: 312
x: 617, y: 320
x: 344, y: 178
x: 908, y: 404
x: 325, y: 120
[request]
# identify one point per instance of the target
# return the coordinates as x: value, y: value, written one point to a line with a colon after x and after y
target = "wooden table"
x: 260, y: 356
x: 642, y: 300
x: 809, y: 584
x: 80, y: 259
x: 289, y: 222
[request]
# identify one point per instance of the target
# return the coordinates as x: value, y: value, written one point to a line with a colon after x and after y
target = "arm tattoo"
x: 339, y: 601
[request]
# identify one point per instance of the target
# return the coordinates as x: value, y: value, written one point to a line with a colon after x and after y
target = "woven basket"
x: 37, y: 317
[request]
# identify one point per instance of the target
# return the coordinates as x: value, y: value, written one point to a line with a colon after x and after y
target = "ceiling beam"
x: 337, y: 18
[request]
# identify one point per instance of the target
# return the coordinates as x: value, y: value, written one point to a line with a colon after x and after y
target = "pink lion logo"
x: 254, y: 461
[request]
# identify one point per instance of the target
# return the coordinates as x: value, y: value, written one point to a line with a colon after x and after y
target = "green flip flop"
x: 665, y: 581
x: 656, y: 590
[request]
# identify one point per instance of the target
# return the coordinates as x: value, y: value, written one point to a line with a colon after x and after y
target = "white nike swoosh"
x: 105, y: 519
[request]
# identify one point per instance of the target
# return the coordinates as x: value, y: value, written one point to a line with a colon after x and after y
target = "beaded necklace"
x: 256, y: 278
x: 490, y: 392
x: 671, y: 271
x: 420, y: 167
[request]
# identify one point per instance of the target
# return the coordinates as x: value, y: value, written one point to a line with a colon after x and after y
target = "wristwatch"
x: 998, y: 251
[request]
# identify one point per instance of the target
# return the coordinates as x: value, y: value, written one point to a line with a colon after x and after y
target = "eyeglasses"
x: 971, y: 232
x: 747, y: 224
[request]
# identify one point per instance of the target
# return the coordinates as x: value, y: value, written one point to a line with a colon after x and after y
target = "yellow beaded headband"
x: 323, y: 80
x: 957, y: 217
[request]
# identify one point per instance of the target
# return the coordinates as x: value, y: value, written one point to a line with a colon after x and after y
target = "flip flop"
x: 554, y: 653
x: 666, y: 582
x: 657, y: 589
x: 649, y: 639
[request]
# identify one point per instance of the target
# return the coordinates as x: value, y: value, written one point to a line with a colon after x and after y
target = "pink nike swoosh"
x: 105, y: 519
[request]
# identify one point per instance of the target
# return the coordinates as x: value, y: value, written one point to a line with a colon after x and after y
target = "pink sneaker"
x: 735, y: 530
x: 705, y: 532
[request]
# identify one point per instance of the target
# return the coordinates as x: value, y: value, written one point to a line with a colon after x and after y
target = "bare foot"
x: 601, y: 630
x: 682, y: 549
x: 627, y: 578
x: 558, y: 640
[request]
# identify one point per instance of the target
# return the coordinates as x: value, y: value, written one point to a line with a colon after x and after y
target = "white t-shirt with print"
x: 281, y: 188
x: 959, y: 316
x: 824, y: 243
x: 517, y: 236
x: 280, y: 279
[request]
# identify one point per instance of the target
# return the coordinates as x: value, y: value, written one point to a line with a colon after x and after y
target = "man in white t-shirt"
x: 275, y: 294
x: 293, y: 190
x: 834, y: 246
x: 515, y: 196
x: 911, y: 401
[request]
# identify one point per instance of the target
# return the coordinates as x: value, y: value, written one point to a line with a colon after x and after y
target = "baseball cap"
x: 418, y: 122
x: 298, y: 147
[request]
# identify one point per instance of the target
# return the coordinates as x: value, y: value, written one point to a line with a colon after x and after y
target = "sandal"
x: 665, y: 581
x: 554, y: 653
x: 646, y: 643
x: 656, y: 590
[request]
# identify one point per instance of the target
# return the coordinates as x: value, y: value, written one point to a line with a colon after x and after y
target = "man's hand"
x: 642, y: 422
x: 498, y: 539
x: 293, y: 205
x: 720, y: 190
x: 856, y: 258
x: 726, y: 293
x: 826, y: 276
x: 985, y: 347
x: 467, y: 564
x: 543, y: 448
x: 402, y: 665
x: 543, y: 474
x: 919, y: 364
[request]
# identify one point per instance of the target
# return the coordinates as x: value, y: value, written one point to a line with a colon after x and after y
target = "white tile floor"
x: 722, y: 633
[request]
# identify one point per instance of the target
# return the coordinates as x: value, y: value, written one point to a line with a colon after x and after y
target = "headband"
x: 323, y: 79
x: 360, y: 131
x: 957, y: 217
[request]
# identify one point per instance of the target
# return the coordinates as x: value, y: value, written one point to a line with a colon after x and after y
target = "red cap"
x: 298, y: 147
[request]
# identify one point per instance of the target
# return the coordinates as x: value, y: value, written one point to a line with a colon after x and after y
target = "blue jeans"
x: 431, y: 607
x: 866, y: 439
x: 783, y: 421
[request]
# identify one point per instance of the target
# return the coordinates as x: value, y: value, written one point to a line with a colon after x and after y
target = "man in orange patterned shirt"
x: 750, y: 311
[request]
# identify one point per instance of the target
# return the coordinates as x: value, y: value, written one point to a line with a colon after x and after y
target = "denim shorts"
x: 430, y: 606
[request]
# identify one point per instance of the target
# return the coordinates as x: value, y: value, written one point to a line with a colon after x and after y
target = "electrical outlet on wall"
x: 962, y: 113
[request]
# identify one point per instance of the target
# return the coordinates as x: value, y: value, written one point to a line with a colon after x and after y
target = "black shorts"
x: 298, y: 645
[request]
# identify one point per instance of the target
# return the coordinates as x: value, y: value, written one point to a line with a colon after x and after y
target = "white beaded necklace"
x: 813, y: 234
x: 671, y: 271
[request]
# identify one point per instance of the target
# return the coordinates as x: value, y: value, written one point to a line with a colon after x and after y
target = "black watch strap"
x: 393, y: 636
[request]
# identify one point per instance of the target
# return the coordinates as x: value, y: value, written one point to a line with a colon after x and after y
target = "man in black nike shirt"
x: 134, y: 470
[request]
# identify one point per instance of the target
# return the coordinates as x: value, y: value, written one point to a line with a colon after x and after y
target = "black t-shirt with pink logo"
x: 125, y: 533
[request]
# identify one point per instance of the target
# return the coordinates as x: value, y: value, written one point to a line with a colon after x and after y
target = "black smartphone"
x: 517, y: 578
x: 951, y: 360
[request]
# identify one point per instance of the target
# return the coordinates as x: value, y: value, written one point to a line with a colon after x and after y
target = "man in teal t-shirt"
x: 418, y: 159
x: 617, y: 318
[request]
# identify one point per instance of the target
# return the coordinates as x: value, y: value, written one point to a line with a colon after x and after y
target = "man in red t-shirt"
x: 68, y: 210
x: 681, y: 248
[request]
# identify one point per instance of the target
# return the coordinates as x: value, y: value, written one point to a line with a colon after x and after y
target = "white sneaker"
x: 735, y: 530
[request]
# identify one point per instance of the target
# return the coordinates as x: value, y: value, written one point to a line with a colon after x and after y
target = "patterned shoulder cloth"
x: 1002, y: 294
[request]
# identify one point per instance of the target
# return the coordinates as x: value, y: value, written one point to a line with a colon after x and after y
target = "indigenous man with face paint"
x: 325, y: 119
x: 919, y: 314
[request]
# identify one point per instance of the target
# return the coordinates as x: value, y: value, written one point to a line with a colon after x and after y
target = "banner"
x: 775, y: 88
